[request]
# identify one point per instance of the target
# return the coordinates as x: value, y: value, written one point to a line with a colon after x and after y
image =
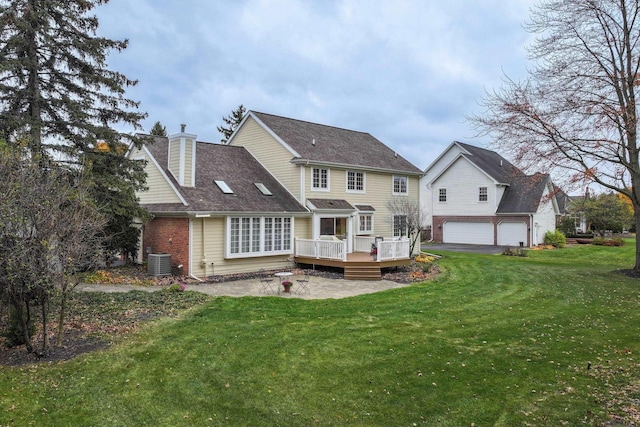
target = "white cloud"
x: 407, y: 71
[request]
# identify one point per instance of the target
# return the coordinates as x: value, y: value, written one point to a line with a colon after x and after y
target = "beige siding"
x: 270, y: 153
x: 188, y: 163
x: 174, y: 157
x: 378, y: 192
x: 214, y: 251
x: 159, y: 190
x: 302, y: 228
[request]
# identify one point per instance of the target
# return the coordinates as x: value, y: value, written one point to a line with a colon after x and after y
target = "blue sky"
x: 406, y: 71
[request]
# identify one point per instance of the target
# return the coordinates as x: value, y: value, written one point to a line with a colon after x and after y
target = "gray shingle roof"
x: 492, y: 163
x: 524, y: 194
x: 335, y: 145
x: 238, y: 168
x: 331, y: 204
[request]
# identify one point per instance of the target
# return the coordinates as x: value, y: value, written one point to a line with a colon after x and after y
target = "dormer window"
x: 263, y: 189
x: 223, y: 187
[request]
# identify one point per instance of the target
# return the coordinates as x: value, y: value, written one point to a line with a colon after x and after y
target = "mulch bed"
x: 93, y: 323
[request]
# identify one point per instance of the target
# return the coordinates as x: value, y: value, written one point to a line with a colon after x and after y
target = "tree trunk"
x: 25, y: 320
x: 61, y: 315
x: 636, y: 215
x: 45, y: 334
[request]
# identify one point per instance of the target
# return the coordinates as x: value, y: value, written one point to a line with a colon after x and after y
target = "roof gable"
x: 524, y: 194
x: 322, y: 144
x: 492, y: 163
x: 238, y: 169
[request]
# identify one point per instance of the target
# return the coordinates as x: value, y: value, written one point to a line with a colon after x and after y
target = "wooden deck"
x: 359, y: 265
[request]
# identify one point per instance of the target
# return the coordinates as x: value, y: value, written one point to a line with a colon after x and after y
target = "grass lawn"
x: 550, y: 339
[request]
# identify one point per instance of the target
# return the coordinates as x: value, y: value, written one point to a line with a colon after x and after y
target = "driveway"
x: 459, y: 247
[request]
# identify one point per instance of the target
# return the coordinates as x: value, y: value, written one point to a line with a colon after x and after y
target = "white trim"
x: 164, y: 175
x: 486, y: 194
x: 393, y: 185
x: 293, y: 152
x: 193, y: 163
x: 364, y: 214
x: 303, y: 179
x: 181, y: 165
x: 435, y: 162
x: 446, y: 195
x: 364, y: 182
x: 261, y: 252
x: 320, y: 189
x: 463, y: 156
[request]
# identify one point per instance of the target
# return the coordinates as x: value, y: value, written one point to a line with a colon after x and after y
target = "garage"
x: 512, y: 233
x: 474, y: 233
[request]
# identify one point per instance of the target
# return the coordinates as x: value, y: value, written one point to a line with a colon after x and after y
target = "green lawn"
x: 494, y: 340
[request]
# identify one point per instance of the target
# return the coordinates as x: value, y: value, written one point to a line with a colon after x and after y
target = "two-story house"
x: 345, y: 178
x: 475, y: 196
x: 281, y: 190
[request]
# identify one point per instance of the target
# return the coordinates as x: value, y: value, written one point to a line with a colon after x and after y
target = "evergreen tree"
x: 232, y: 121
x: 158, y: 129
x: 56, y: 89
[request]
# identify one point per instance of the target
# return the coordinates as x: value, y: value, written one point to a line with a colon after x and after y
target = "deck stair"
x: 362, y: 271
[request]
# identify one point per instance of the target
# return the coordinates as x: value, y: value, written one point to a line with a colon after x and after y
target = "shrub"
x: 613, y: 242
x: 515, y: 252
x: 176, y: 288
x: 555, y: 238
x: 598, y: 241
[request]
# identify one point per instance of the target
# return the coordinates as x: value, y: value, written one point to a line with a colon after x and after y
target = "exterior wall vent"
x: 159, y: 265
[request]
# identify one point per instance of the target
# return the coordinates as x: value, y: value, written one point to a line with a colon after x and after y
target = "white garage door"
x: 512, y: 233
x: 475, y: 233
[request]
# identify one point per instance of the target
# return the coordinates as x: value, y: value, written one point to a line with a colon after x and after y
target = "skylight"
x: 223, y: 187
x: 263, y: 188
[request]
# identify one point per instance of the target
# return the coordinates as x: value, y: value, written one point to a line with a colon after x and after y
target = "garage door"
x: 512, y: 233
x: 475, y: 233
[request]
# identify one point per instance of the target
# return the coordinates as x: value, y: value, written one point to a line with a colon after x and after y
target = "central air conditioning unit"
x: 159, y: 265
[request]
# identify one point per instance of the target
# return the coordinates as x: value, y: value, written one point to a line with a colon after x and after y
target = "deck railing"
x: 363, y: 243
x: 388, y: 249
x: 325, y: 249
x: 393, y: 249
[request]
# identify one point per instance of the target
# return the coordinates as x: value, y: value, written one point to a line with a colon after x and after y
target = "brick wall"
x: 170, y: 236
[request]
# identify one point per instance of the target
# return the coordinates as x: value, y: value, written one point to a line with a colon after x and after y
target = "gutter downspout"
x: 204, y: 256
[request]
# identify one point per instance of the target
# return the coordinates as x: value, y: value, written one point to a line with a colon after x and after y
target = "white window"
x: 399, y: 225
x: 442, y: 195
x: 257, y: 236
x: 320, y: 179
x: 355, y: 181
x: 365, y: 223
x: 399, y: 184
x: 482, y: 194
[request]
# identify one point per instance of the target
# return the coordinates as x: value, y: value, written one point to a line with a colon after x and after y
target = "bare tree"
x: 49, y: 229
x: 576, y: 111
x: 408, y: 218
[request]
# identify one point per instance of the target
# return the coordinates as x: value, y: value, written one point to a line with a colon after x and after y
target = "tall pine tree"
x: 232, y: 121
x: 57, y: 92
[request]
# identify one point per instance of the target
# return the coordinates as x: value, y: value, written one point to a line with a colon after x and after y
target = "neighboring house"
x: 215, y: 209
x: 345, y: 178
x: 473, y: 195
x: 570, y: 206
